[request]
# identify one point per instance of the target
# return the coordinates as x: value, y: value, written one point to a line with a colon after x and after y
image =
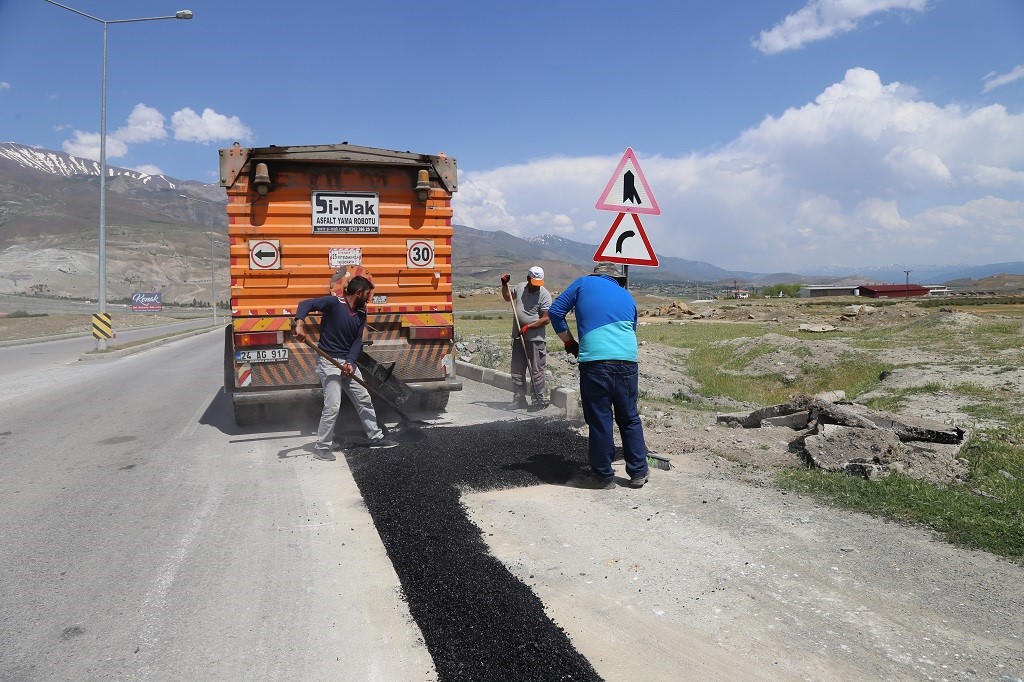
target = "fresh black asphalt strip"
x: 479, y: 621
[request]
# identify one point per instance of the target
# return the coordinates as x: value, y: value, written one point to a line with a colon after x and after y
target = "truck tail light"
x: 431, y: 333
x: 259, y: 338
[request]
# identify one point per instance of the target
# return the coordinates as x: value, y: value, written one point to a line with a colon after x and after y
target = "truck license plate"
x: 265, y: 355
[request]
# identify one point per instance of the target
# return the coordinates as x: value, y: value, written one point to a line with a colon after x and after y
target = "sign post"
x: 627, y: 192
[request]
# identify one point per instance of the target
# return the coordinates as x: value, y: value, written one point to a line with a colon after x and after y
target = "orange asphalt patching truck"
x: 297, y: 216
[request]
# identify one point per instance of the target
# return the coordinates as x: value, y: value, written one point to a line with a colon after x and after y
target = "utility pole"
x: 906, y: 291
x: 101, y: 294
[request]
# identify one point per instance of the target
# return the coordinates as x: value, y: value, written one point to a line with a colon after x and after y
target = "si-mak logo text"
x: 346, y: 213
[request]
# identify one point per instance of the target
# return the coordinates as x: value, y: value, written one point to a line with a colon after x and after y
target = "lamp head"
x: 183, y: 14
x: 422, y: 187
x: 261, y: 181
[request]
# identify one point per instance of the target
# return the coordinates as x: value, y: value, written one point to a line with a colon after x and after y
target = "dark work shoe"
x: 519, y: 402
x: 539, y: 404
x: 592, y: 482
x: 639, y: 480
x: 325, y: 455
x: 383, y: 443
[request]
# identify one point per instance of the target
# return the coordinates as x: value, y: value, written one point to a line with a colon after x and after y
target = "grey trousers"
x: 333, y: 384
x: 538, y: 363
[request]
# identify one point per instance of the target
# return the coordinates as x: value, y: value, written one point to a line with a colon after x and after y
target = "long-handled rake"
x: 526, y: 354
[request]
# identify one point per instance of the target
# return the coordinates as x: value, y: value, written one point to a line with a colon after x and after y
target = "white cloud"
x: 868, y: 173
x: 210, y: 127
x: 822, y: 19
x: 145, y: 124
x: 87, y: 145
x: 4, y: 85
x: 149, y: 169
x: 993, y: 80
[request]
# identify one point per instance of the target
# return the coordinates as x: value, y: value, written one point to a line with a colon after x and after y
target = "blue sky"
x: 775, y: 134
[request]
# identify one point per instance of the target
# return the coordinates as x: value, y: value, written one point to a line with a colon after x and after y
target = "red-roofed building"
x: 892, y: 290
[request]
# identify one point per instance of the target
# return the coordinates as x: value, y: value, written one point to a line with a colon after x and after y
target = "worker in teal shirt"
x: 609, y: 377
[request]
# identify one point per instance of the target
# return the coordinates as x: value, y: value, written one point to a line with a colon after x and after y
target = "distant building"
x: 892, y: 290
x: 815, y: 290
x: 934, y: 290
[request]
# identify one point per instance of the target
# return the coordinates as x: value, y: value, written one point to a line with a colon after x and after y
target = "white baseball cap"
x: 536, y: 275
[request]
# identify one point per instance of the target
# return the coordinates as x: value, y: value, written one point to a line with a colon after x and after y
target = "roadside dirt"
x: 49, y: 326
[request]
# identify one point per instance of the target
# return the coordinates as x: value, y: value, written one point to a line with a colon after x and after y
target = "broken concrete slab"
x: 829, y: 412
x: 863, y: 442
x: 912, y: 428
x: 834, y: 446
x: 796, y: 420
x: 754, y: 420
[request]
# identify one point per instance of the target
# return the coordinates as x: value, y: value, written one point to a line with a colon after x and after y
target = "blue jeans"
x: 609, y: 390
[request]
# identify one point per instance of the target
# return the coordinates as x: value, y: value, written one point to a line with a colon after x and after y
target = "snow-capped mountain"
x: 66, y: 165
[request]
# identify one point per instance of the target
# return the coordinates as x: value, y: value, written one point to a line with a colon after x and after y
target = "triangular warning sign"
x: 628, y: 191
x: 626, y: 245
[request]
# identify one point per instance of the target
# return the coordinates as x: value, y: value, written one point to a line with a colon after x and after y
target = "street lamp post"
x: 101, y: 343
x: 906, y: 285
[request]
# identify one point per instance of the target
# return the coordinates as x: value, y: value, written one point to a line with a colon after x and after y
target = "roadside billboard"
x: 147, y: 302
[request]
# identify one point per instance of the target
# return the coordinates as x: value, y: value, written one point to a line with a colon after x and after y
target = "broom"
x: 658, y: 462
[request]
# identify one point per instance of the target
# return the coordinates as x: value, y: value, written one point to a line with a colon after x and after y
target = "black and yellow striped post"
x: 102, y: 329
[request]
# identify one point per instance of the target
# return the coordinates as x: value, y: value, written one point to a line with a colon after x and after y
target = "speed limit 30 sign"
x: 419, y: 253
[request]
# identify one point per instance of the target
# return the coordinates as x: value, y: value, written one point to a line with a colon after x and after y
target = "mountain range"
x: 169, y: 235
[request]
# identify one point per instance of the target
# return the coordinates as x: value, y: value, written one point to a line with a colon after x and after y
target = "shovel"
x: 408, y: 421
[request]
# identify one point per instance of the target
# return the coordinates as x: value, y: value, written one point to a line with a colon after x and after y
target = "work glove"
x: 522, y: 332
x: 505, y: 278
x: 572, y: 348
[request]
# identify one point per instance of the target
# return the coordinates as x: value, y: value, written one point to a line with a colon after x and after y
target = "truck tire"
x: 229, y: 362
x: 434, y: 402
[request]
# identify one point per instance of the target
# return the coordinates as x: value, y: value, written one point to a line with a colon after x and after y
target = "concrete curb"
x: 123, y: 352
x: 565, y: 398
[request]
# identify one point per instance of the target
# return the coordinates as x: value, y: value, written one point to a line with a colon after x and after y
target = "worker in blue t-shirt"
x: 609, y: 378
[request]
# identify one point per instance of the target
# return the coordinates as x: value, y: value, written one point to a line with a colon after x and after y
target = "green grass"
x: 894, y: 401
x: 718, y: 366
x: 994, y: 524
x: 986, y: 512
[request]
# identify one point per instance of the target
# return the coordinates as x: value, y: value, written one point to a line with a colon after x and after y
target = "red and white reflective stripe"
x: 245, y: 376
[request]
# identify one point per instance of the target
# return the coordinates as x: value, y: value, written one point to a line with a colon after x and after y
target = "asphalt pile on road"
x: 478, y: 620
